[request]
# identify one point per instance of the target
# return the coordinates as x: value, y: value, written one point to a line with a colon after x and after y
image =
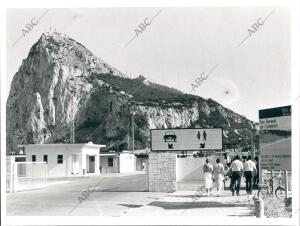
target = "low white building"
x: 127, y: 162
x: 66, y: 159
x: 124, y: 162
x: 109, y: 163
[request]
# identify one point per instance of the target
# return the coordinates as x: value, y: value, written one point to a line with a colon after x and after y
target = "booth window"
x: 60, y: 159
x: 33, y: 158
x: 110, y: 161
x: 45, y: 158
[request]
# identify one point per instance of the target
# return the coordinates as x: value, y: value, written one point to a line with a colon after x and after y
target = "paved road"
x: 119, y: 195
x: 110, y: 196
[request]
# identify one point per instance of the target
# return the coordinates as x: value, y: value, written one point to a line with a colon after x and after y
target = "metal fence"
x: 29, y: 175
x: 279, y: 177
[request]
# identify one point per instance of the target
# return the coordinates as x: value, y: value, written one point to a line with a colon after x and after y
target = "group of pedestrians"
x: 234, y: 170
x: 213, y: 174
x: 248, y: 169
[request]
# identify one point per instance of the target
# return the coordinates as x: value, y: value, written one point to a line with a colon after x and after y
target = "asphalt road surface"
x: 112, y: 195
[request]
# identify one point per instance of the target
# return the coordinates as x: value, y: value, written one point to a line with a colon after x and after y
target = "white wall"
x: 127, y: 162
x: 191, y: 169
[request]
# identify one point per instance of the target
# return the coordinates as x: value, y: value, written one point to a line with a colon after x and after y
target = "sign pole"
x: 272, y: 188
x: 260, y: 171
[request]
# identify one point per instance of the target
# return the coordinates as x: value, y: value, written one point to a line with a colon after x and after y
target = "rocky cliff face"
x: 62, y: 85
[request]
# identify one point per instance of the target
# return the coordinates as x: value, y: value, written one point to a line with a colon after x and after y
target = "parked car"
x: 170, y: 137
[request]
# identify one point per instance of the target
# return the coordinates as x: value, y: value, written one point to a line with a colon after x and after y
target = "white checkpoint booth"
x: 66, y: 159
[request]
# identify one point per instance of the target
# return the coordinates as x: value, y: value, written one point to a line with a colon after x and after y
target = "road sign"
x: 186, y: 139
x: 275, y: 138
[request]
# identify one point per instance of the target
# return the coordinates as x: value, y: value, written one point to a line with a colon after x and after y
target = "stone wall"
x: 162, y: 172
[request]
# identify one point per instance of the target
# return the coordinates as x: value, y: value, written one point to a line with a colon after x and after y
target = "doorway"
x: 75, y: 164
x: 91, y: 165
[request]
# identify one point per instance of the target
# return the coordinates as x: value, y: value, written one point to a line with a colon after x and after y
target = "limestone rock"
x: 61, y: 84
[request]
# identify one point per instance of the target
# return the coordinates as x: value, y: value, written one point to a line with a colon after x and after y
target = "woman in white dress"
x: 218, y: 175
x: 208, y: 179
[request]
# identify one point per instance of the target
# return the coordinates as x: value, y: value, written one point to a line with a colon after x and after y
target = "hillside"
x: 61, y: 82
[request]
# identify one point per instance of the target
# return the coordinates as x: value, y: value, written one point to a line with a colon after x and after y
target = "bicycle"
x: 267, y: 188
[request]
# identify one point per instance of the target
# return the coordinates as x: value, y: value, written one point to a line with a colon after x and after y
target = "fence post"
x: 15, y: 177
x: 286, y: 183
x: 46, y: 174
x: 259, y: 207
x: 10, y: 173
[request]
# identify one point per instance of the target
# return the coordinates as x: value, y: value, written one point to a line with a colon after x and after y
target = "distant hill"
x: 61, y: 82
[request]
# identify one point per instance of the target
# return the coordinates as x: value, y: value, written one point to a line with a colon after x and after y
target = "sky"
x: 250, y: 70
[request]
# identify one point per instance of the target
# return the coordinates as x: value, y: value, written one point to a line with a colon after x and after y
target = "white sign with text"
x: 186, y: 139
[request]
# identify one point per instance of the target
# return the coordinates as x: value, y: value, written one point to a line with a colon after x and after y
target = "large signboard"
x: 186, y: 139
x: 275, y: 138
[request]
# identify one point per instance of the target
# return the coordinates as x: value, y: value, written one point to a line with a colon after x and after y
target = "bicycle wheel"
x: 203, y: 189
x: 263, y: 192
x: 280, y: 193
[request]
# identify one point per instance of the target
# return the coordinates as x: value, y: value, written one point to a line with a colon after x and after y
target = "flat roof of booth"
x: 64, y: 145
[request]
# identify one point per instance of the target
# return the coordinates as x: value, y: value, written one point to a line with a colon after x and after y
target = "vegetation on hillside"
x: 151, y: 95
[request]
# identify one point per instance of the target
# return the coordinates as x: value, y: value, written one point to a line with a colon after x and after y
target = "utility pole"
x: 132, y: 128
x: 72, y: 133
x: 132, y: 111
x: 128, y: 138
x: 252, y: 146
x: 73, y: 130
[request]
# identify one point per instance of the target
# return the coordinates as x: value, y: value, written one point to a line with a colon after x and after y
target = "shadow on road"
x: 189, y: 205
x: 131, y: 205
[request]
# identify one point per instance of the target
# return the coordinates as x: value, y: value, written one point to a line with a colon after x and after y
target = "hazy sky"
x: 179, y: 45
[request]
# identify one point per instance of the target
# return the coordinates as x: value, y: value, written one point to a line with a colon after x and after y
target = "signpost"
x: 275, y: 140
x: 186, y: 139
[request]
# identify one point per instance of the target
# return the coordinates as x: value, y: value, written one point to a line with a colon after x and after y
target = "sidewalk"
x: 184, y: 203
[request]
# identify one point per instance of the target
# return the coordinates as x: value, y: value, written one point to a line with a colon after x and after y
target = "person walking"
x: 250, y: 170
x: 204, y: 135
x: 208, y: 177
x: 218, y: 173
x: 227, y: 159
x: 227, y: 163
x: 237, y: 170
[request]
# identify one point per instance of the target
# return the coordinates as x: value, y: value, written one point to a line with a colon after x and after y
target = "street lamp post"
x: 252, y: 146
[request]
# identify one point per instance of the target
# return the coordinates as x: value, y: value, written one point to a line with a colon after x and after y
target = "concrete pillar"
x: 97, y: 164
x: 259, y: 207
x: 286, y: 183
x: 162, y: 172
